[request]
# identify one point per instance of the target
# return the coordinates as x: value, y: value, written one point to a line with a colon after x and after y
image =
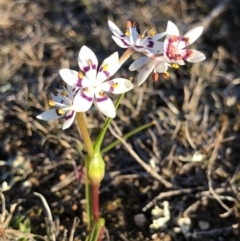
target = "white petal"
x: 108, y: 67
x: 121, y: 42
x: 194, y: 57
x: 117, y: 86
x: 171, y: 30
x: 161, y: 67
x: 115, y: 30
x: 193, y: 34
x: 105, y: 105
x: 134, y: 34
x: 69, y: 76
x: 158, y: 46
x: 68, y: 119
x: 83, y: 101
x: 49, y: 115
x: 158, y: 36
x: 58, y: 98
x: 144, y: 73
x: 88, y: 62
x: 139, y: 63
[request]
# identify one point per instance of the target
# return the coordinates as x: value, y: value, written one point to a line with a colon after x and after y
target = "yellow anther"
x: 80, y: 74
x: 101, y: 93
x: 105, y: 67
x: 115, y: 85
x: 85, y: 89
x: 176, y: 66
x: 165, y: 75
x: 151, y: 31
x: 127, y: 33
x: 51, y: 103
x: 64, y: 93
x: 60, y: 111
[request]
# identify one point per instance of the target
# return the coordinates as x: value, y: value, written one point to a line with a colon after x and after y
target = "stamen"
x: 63, y: 93
x: 59, y: 111
x: 105, y: 67
x: 173, y: 38
x: 152, y: 31
x: 165, y: 75
x: 51, y: 103
x: 62, y: 83
x: 90, y: 62
x: 114, y: 85
x: 80, y: 75
x: 155, y: 76
x: 176, y: 66
x: 54, y: 92
x: 134, y: 24
x: 185, y: 39
x: 128, y: 26
x: 86, y: 89
x: 102, y: 94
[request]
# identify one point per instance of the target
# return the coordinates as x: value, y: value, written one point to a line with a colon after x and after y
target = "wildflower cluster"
x: 89, y: 85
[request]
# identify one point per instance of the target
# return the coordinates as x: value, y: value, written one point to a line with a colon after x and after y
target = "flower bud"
x: 96, y: 169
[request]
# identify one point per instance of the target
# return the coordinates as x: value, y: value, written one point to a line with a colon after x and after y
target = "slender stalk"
x: 125, y: 56
x: 85, y: 135
x: 88, y: 144
x: 95, y: 202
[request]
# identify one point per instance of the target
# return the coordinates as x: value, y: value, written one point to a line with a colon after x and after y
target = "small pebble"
x: 203, y: 225
x: 140, y: 220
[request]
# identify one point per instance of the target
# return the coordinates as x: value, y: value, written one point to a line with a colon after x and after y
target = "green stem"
x: 99, y: 140
x: 126, y: 136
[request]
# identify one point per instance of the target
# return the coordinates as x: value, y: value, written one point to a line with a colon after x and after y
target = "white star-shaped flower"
x: 132, y: 39
x: 174, y: 46
x: 91, y: 84
x: 173, y: 53
x: 62, y: 99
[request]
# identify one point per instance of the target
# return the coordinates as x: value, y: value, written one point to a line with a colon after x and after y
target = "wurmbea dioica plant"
x: 91, y: 84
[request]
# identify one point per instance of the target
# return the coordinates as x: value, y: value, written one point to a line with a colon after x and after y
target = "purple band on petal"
x: 102, y: 98
x: 105, y: 72
x: 86, y: 97
x: 67, y: 117
x: 86, y: 69
x: 94, y: 66
x: 138, y: 46
x: 123, y: 41
x: 150, y: 43
x: 79, y: 83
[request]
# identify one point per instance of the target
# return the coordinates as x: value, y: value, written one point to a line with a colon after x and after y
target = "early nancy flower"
x: 91, y: 85
x: 132, y: 39
x: 62, y: 99
x: 146, y: 65
x: 173, y: 53
x: 174, y: 45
